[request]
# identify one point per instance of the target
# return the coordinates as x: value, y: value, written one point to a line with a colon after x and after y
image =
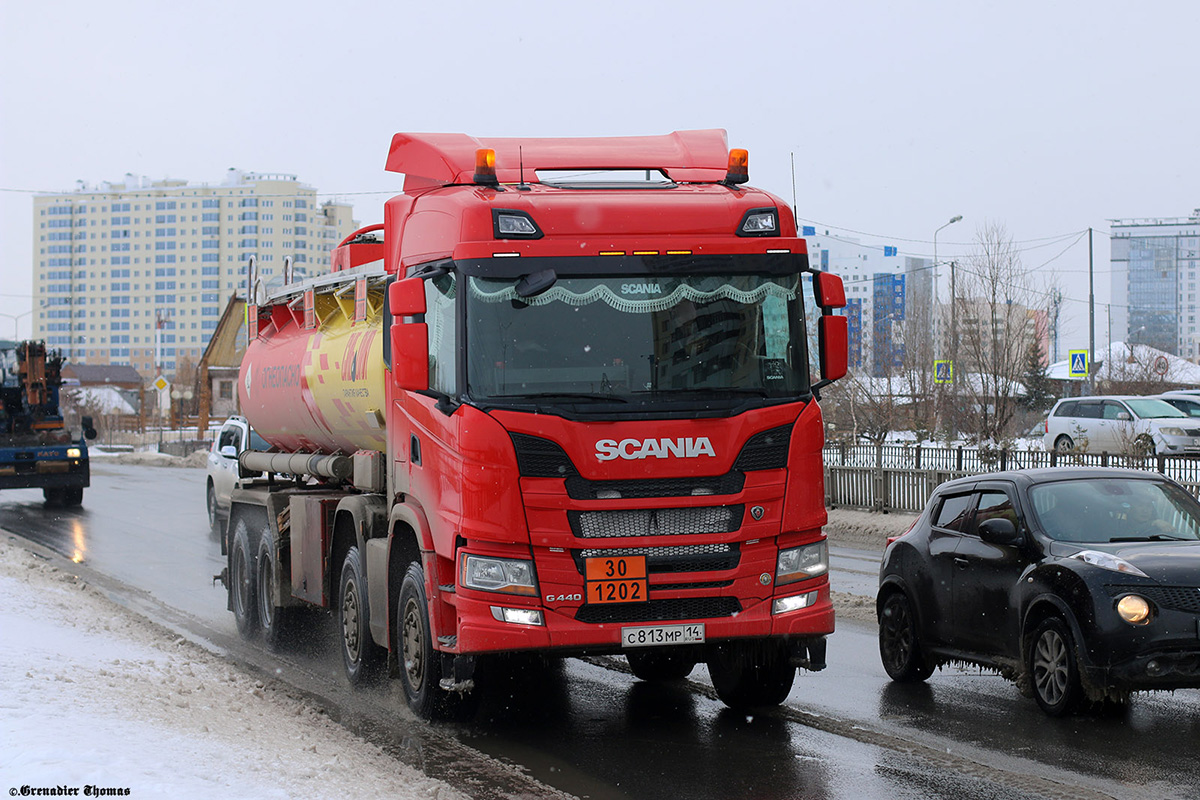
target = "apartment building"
x: 1154, y: 300
x: 138, y: 272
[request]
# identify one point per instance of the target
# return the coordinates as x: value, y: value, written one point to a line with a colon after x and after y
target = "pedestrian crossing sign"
x: 943, y: 371
x: 1079, y: 364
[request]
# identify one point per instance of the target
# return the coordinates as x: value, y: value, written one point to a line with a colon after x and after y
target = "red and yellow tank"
x: 312, y: 378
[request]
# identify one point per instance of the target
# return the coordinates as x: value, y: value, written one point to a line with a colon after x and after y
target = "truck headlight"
x: 802, y: 563
x: 506, y: 575
x: 74, y: 452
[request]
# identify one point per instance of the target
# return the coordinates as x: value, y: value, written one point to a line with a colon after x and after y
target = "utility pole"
x: 1091, y: 320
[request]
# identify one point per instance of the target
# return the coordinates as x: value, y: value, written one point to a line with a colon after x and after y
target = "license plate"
x: 616, y: 579
x: 655, y: 635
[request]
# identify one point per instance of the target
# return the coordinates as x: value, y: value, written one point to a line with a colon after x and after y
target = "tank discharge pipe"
x: 336, y: 467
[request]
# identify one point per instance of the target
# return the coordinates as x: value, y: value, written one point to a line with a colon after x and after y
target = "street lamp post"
x: 938, y: 316
x: 16, y: 323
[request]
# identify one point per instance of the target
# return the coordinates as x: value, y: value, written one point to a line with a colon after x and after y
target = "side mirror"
x: 406, y: 298
x: 829, y: 290
x: 409, y: 340
x: 833, y: 339
x: 89, y: 428
x: 1124, y: 416
x: 228, y: 451
x: 999, y: 531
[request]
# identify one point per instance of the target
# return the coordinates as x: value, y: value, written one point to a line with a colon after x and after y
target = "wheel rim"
x: 241, y: 582
x: 1065, y: 445
x: 897, y: 634
x: 212, y: 507
x: 414, y: 640
x: 1051, y: 667
x: 266, y: 588
x: 350, y: 620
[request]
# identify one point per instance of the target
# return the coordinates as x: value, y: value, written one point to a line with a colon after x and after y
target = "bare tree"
x: 997, y: 324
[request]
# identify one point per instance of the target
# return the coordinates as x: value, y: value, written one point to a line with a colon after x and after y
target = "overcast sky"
x: 1046, y: 117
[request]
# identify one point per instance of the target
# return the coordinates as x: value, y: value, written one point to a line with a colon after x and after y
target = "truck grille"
x: 655, y: 522
x: 688, y: 558
x: 579, y: 488
x: 660, y: 610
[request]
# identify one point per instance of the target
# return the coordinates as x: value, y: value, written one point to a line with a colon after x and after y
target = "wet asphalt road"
x: 589, y: 729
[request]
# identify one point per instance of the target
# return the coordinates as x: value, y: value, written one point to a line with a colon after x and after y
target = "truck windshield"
x: 619, y: 339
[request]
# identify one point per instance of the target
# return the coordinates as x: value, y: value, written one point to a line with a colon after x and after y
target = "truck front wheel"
x: 243, y: 582
x: 751, y: 674
x: 360, y: 655
x: 419, y: 666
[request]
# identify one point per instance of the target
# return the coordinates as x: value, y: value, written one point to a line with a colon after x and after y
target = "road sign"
x: 160, y: 383
x: 1161, y: 365
x: 1079, y: 364
x: 943, y: 371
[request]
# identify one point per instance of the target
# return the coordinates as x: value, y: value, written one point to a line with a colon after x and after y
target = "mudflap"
x: 458, y: 673
x: 807, y: 653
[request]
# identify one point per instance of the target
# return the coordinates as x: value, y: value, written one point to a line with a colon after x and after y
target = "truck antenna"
x: 793, y: 184
x: 521, y: 187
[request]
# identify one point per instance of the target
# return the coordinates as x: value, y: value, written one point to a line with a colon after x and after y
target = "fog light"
x: 1133, y: 609
x: 797, y: 601
x: 518, y: 616
x: 1154, y: 669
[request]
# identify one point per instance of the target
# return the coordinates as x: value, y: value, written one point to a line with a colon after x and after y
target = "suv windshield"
x: 620, y: 338
x: 1115, y: 510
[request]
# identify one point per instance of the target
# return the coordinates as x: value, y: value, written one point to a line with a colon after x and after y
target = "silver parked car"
x: 235, y: 436
x: 1121, y: 424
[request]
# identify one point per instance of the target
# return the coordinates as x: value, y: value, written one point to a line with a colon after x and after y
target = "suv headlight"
x: 1171, y: 431
x: 1108, y: 561
x: 802, y: 563
x: 505, y: 575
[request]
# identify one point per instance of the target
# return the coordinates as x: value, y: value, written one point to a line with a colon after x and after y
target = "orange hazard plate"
x: 617, y: 579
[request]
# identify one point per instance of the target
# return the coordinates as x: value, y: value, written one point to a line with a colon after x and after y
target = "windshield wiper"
x: 608, y: 398
x: 1150, y: 537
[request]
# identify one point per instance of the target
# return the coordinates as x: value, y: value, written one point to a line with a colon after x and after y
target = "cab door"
x: 986, y: 577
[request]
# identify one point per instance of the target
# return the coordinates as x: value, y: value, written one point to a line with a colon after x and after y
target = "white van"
x: 1121, y: 424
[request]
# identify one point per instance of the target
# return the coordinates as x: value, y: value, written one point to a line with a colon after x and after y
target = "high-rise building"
x: 124, y: 268
x: 1154, y: 283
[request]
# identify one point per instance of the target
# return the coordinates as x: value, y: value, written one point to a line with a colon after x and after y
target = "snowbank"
x: 94, y: 696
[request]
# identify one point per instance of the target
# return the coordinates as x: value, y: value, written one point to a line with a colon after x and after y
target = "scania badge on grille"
x: 757, y: 512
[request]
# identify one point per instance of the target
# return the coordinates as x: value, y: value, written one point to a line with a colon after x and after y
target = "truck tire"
x: 660, y: 667
x: 63, y: 496
x: 750, y: 675
x: 361, y: 657
x: 73, y: 496
x: 420, y: 667
x: 243, y: 581
x: 274, y: 620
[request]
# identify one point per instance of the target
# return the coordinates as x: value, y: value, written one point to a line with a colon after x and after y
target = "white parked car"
x: 1186, y: 401
x: 1121, y: 424
x: 235, y: 436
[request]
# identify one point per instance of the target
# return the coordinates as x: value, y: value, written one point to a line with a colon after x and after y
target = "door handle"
x: 414, y: 450
x: 961, y: 562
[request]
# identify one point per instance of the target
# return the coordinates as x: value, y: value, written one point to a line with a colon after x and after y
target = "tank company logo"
x: 635, y: 449
x: 354, y: 358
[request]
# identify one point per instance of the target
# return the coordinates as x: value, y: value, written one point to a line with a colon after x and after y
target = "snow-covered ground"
x: 92, y: 695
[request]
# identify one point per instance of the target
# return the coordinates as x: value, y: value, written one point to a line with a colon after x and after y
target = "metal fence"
x: 901, y: 477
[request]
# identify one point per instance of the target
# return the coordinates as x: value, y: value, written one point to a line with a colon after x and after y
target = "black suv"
x: 1081, y: 584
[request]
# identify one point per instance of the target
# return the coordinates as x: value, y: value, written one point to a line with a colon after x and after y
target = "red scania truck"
x: 536, y: 411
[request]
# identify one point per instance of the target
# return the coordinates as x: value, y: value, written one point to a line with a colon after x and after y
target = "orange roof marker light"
x: 739, y: 167
x: 485, y: 167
